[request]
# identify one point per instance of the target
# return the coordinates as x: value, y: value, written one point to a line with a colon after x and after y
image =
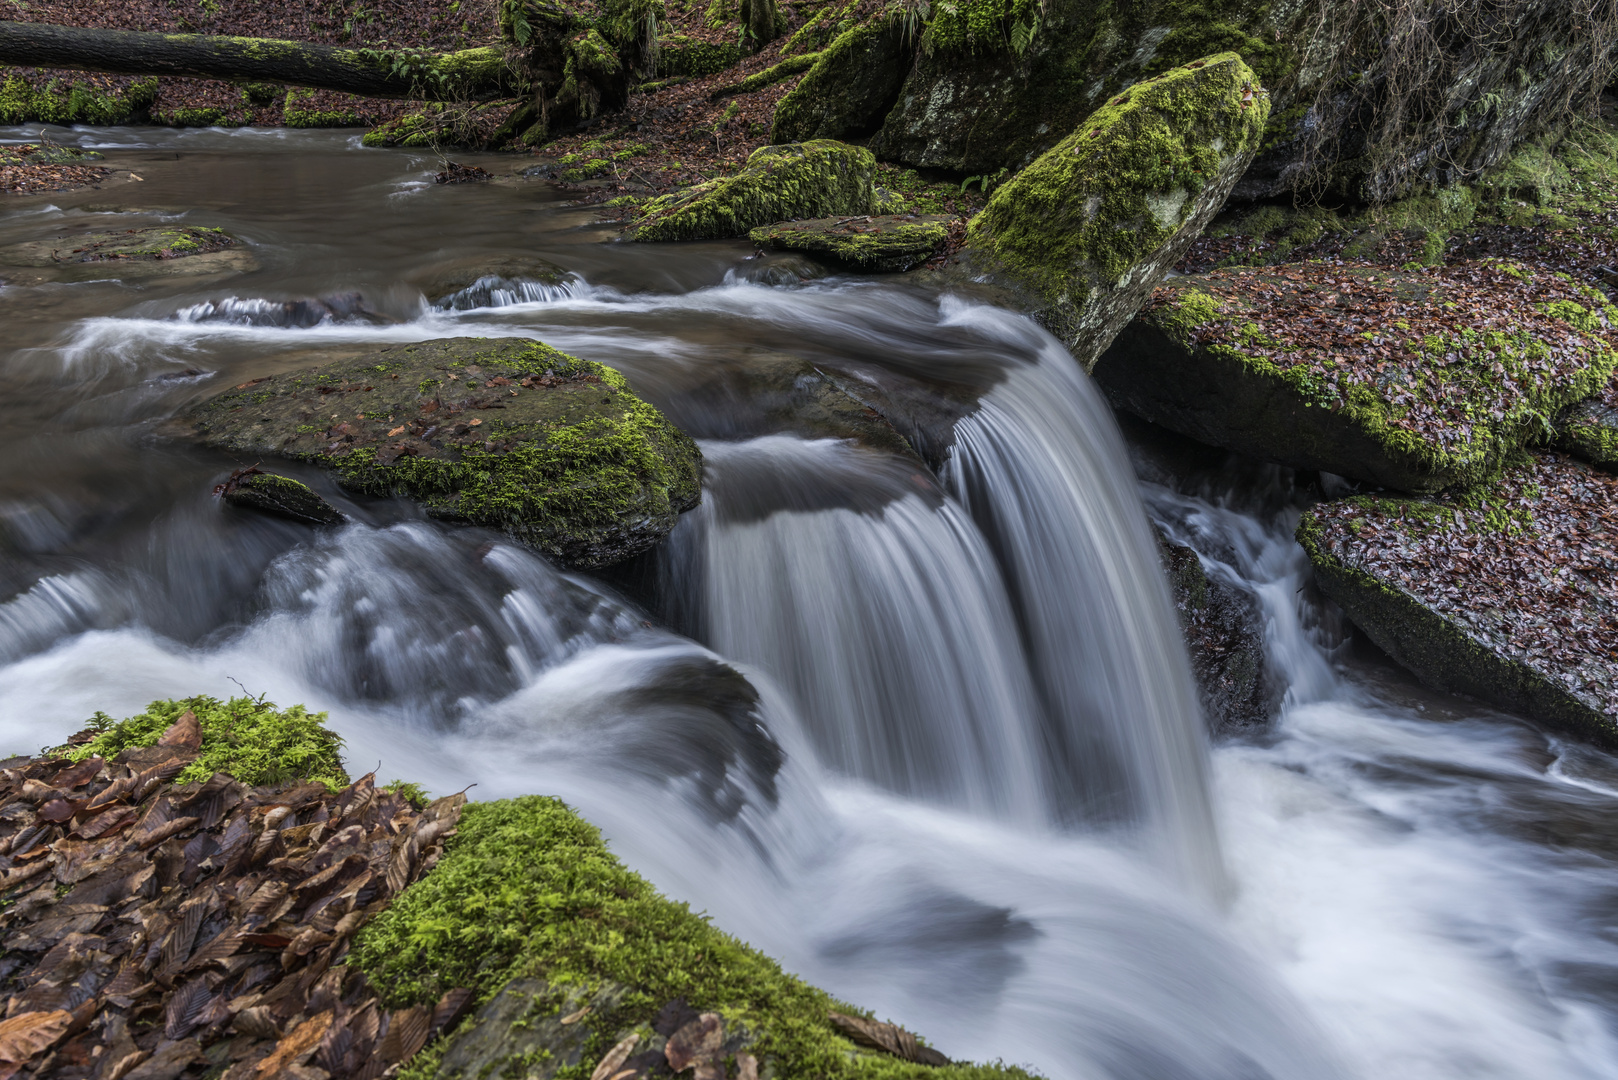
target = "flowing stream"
x: 928, y: 738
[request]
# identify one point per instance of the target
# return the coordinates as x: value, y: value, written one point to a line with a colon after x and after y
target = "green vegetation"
x: 1124, y: 184
x: 527, y: 888
x: 249, y: 738
x: 556, y: 451
x: 23, y: 103
x: 779, y: 183
x: 883, y: 244
x: 196, y: 118
x: 294, y: 116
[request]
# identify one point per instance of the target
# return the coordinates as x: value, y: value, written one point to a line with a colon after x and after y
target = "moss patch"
x: 527, y: 890
x: 883, y: 244
x: 21, y: 102
x: 1418, y: 380
x: 161, y: 242
x: 508, y: 434
x: 1106, y: 210
x: 780, y: 183
x: 249, y: 738
x: 853, y: 84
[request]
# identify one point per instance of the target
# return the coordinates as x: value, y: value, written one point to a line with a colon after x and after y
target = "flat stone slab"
x: 1508, y: 593
x: 505, y: 433
x: 1416, y: 380
x: 885, y: 243
x: 126, y: 253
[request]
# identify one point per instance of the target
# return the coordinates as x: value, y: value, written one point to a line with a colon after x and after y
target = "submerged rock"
x: 851, y: 87
x: 280, y: 496
x: 779, y: 183
x: 444, y: 281
x: 1224, y: 633
x: 504, y: 433
x: 1507, y: 593
x: 1091, y: 227
x: 128, y: 253
x: 884, y: 243
x: 1415, y: 380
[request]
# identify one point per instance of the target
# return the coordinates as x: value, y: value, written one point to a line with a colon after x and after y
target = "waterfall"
x: 1042, y: 469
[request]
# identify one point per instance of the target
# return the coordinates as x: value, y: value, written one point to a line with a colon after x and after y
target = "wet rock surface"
x: 1224, y: 633
x: 504, y: 433
x: 1416, y: 380
x: 1508, y: 593
x: 126, y: 253
x: 849, y: 91
x: 873, y: 243
x: 1589, y: 429
x: 1089, y: 229
x: 279, y: 496
x: 444, y: 281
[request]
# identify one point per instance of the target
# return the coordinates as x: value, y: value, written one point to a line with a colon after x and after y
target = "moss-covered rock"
x: 1091, y: 227
x: 248, y: 738
x: 1589, y: 429
x: 851, y: 87
x: 692, y: 57
x: 279, y: 496
x: 571, y: 955
x: 1415, y: 380
x: 128, y: 253
x: 1505, y: 593
x: 779, y: 183
x: 884, y: 244
x: 503, y: 433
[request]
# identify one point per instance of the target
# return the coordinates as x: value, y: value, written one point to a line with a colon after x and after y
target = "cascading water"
x: 847, y: 578
x: 1041, y: 467
x: 931, y: 674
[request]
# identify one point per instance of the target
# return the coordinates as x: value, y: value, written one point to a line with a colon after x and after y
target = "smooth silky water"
x: 929, y: 739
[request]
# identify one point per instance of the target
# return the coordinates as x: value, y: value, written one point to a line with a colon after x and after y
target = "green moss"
x: 527, y: 889
x: 793, y: 65
x: 884, y: 244
x: 779, y: 183
x: 1462, y: 370
x: 1122, y: 185
x: 681, y: 54
x: 578, y: 467
x: 249, y: 738
x: 979, y: 25
x: 411, y: 792
x: 23, y: 103
x: 196, y: 118
x: 851, y: 87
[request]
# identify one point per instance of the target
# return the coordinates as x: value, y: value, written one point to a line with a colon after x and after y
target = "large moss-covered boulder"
x: 577, y: 964
x: 1001, y: 81
x: 1091, y: 227
x: 815, y: 179
x: 1506, y: 592
x: 850, y: 89
x: 504, y: 433
x: 884, y: 243
x: 1415, y: 380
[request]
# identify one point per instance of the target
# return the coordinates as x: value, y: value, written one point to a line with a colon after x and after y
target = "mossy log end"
x: 470, y: 74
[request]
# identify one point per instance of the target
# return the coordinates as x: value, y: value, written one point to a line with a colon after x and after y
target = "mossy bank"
x: 1416, y: 380
x: 1505, y: 592
x: 509, y: 434
x: 571, y: 955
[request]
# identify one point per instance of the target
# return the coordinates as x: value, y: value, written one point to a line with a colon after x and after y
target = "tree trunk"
x: 468, y: 75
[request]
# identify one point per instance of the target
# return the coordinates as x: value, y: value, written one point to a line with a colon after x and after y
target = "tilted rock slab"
x: 1089, y: 229
x: 883, y: 243
x: 851, y: 87
x: 815, y: 179
x: 505, y: 433
x: 1507, y: 593
x: 1415, y: 380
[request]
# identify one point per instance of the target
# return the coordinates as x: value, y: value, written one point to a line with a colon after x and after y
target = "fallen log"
x: 467, y: 75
